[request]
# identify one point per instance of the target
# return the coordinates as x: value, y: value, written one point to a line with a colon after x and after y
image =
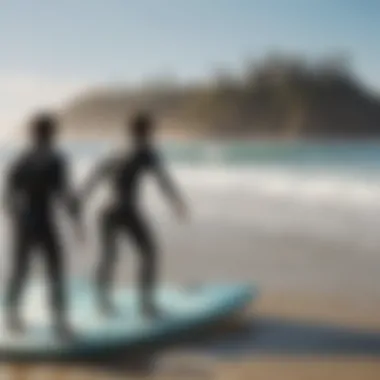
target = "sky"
x: 52, y: 49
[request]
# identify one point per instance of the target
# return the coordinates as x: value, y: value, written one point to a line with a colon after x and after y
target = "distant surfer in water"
x: 37, y: 179
x: 124, y: 172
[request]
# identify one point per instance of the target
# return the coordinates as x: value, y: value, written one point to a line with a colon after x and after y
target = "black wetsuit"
x: 123, y: 214
x: 35, y: 180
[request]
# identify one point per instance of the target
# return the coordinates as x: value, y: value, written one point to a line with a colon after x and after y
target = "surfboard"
x: 182, y: 309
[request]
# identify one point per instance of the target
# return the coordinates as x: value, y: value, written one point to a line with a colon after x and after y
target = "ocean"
x: 298, y: 216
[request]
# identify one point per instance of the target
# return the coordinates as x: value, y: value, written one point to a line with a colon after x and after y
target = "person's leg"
x: 20, y: 258
x: 143, y: 238
x: 104, y: 273
x: 51, y: 250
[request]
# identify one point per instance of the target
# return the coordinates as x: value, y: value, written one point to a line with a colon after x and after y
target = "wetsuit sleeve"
x: 64, y: 187
x: 14, y: 176
x: 167, y: 185
x: 60, y: 175
x: 13, y: 185
x: 99, y: 173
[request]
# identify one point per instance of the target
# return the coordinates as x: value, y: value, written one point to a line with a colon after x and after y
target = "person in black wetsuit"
x: 36, y: 179
x: 123, y: 214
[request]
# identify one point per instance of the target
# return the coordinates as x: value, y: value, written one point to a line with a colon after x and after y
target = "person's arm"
x: 99, y: 174
x: 69, y: 199
x: 65, y: 190
x: 167, y: 185
x: 11, y: 195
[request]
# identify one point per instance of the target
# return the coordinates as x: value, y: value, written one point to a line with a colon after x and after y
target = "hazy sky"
x: 50, y: 48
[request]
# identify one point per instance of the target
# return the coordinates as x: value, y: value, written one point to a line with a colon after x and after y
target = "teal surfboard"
x: 182, y: 309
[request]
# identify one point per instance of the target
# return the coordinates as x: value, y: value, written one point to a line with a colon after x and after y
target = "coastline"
x: 100, y: 134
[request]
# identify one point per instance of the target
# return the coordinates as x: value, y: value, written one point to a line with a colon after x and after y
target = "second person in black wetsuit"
x: 123, y: 214
x: 36, y: 180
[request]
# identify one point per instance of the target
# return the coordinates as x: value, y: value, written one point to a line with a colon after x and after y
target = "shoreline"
x: 100, y: 135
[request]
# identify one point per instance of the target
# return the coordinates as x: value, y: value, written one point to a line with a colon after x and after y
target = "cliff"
x: 278, y: 97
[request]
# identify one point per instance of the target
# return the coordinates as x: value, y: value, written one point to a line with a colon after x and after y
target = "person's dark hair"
x: 141, y: 125
x: 43, y: 127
